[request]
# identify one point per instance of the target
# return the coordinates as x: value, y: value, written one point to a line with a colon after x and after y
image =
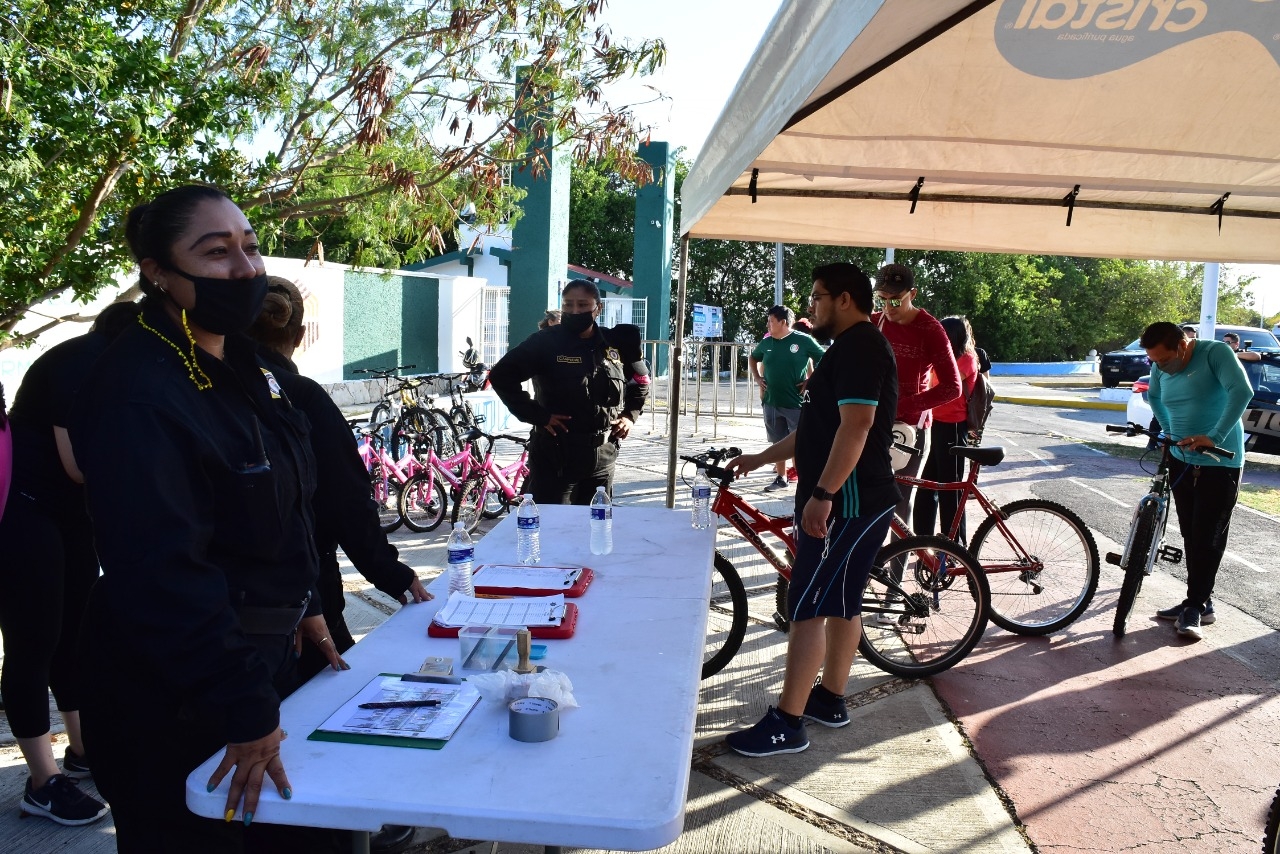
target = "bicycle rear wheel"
x: 1049, y: 564
x: 1144, y: 540
x: 727, y: 620
x: 423, y: 503
x: 933, y: 618
x: 468, y: 503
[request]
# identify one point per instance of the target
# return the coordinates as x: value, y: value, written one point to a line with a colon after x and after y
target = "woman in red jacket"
x: 949, y: 430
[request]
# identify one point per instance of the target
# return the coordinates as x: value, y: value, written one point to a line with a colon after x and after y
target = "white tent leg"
x: 676, y: 372
x: 1209, y: 301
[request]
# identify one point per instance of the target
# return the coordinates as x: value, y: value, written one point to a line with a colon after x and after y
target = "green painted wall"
x: 651, y: 267
x: 540, y: 239
x: 388, y: 321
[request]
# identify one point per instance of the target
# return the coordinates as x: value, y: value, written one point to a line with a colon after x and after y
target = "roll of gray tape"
x: 534, y: 719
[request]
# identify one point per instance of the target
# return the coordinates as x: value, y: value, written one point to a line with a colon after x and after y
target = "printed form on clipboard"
x: 541, y: 580
x: 391, y: 725
x: 528, y: 611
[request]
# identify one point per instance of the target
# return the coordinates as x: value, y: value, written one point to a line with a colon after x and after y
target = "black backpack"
x: 978, y: 407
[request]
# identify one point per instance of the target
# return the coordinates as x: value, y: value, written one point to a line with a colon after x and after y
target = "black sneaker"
x: 771, y: 735
x: 1189, y: 623
x: 1207, y: 617
x: 61, y: 800
x: 820, y: 710
x: 75, y: 766
x: 779, y: 482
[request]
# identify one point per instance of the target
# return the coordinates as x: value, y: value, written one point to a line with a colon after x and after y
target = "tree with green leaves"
x: 365, y: 125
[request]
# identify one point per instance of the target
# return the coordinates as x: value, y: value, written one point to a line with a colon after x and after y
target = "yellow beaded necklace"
x: 193, y: 367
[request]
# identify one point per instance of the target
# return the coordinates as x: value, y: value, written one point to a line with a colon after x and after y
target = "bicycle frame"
x: 751, y: 522
x: 968, y: 488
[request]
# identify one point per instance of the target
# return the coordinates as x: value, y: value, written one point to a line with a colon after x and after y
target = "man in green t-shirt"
x: 788, y: 358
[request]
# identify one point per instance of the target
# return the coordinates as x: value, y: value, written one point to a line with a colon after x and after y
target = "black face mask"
x: 226, y: 306
x: 576, y: 324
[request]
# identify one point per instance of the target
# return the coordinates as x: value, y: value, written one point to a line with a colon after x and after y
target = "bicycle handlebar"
x: 384, y: 373
x: 709, y: 459
x: 1131, y: 429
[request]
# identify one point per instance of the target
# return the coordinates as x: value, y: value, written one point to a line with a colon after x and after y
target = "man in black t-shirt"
x: 844, y: 504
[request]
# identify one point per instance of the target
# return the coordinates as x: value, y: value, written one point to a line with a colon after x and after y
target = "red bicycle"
x: 927, y: 594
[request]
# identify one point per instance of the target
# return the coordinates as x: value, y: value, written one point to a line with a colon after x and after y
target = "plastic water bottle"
x: 528, y: 547
x: 601, y: 523
x: 461, y: 550
x: 702, y: 500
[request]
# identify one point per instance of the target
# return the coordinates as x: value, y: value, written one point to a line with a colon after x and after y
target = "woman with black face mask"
x: 199, y: 476
x: 590, y: 384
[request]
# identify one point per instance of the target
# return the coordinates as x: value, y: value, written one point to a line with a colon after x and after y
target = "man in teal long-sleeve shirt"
x: 1199, y: 391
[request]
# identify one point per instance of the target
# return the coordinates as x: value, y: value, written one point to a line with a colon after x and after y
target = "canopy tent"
x: 1152, y: 127
x: 1145, y: 129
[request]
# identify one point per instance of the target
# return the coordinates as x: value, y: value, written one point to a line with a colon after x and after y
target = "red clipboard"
x: 579, y: 587
x: 568, y: 625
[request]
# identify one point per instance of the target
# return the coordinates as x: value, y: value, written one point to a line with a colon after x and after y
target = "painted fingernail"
x: 248, y: 818
x: 288, y: 793
x: 346, y: 666
x: 231, y: 813
x: 210, y: 787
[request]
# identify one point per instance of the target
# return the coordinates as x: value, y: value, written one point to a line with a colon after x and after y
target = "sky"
x: 709, y: 43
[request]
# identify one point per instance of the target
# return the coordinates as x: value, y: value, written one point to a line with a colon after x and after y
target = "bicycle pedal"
x: 1169, y: 554
x: 1114, y: 559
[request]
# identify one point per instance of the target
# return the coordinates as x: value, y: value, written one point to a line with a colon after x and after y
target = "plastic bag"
x: 507, y: 685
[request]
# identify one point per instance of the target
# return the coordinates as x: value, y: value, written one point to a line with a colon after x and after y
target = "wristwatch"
x: 822, y: 495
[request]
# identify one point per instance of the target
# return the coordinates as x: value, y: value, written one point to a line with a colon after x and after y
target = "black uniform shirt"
x: 594, y: 380
x: 859, y: 368
x: 201, y: 501
x: 346, y: 513
x: 43, y: 402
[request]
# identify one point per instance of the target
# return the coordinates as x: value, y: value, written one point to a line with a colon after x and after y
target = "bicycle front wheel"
x: 1042, y: 566
x: 385, y: 490
x: 423, y: 504
x: 930, y: 620
x: 727, y: 620
x: 1144, y: 540
x: 1271, y: 841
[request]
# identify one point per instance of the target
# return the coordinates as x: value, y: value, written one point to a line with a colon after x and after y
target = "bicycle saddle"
x: 991, y: 456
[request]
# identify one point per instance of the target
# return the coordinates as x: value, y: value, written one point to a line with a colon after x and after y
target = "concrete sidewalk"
x: 1071, y: 742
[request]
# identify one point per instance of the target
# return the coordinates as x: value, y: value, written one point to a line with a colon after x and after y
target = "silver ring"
x: 322, y: 640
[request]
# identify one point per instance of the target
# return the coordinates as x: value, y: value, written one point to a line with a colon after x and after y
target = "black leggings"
x: 1204, y: 497
x: 931, y: 505
x: 47, y: 567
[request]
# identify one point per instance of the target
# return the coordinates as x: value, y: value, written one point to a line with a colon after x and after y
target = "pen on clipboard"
x: 401, y: 704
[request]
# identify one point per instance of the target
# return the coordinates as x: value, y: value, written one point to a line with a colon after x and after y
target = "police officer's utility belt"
x: 585, y: 440
x: 260, y: 620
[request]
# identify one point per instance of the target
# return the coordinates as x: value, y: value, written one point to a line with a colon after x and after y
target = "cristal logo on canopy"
x: 1071, y: 39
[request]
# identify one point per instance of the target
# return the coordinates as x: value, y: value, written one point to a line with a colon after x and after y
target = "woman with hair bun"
x: 346, y: 515
x: 199, y: 478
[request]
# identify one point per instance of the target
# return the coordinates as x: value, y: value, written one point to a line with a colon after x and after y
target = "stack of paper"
x: 527, y: 611
x: 518, y: 577
x: 425, y: 723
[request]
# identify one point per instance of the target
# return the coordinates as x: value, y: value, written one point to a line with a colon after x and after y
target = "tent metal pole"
x: 1209, y: 301
x: 677, y: 371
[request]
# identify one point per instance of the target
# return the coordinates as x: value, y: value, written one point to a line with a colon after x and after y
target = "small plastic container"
x: 484, y: 649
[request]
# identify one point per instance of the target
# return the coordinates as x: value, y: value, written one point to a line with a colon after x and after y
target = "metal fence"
x: 715, y: 384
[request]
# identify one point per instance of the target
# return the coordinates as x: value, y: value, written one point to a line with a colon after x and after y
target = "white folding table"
x: 615, y: 777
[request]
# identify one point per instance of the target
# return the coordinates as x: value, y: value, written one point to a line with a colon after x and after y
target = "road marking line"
x: 1249, y: 509
x: 1084, y: 485
x: 1241, y: 560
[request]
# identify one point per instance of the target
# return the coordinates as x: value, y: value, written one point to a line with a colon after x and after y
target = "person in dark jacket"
x: 590, y: 384
x: 199, y: 478
x: 48, y: 568
x: 346, y: 515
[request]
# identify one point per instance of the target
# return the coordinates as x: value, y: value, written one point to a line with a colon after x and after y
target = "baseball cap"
x: 895, y: 278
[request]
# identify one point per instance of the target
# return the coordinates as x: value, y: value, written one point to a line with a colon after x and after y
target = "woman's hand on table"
x: 316, y: 631
x: 416, y: 593
x: 251, y: 761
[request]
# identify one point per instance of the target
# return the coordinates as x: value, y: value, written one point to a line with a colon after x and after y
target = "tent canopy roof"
x: 1152, y: 127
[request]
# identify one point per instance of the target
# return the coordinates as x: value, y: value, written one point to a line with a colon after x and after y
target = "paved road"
x: 1045, y: 446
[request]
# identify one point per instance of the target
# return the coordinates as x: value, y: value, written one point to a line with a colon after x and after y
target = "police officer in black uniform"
x: 590, y: 384
x: 199, y: 476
